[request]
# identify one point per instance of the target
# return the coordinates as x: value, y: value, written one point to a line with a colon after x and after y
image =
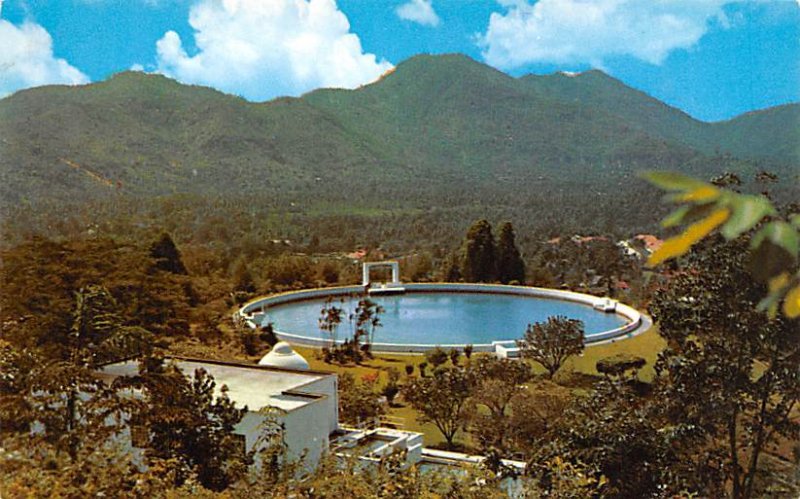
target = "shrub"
x: 468, y: 351
x: 250, y: 342
x: 436, y: 357
x: 454, y: 356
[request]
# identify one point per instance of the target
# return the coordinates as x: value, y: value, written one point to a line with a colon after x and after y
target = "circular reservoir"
x: 448, y: 315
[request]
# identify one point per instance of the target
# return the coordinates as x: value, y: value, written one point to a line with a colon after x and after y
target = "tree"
x: 442, y: 399
x: 67, y: 404
x: 31, y: 467
x: 479, y: 264
x: 551, y: 343
x: 358, y: 402
x: 455, y: 355
x: 66, y: 398
x: 73, y: 388
x: 510, y: 266
x: 497, y: 382
x: 17, y: 367
x: 363, y: 320
x: 329, y: 319
x: 774, y: 247
x: 368, y: 319
x: 98, y: 335
x: 166, y: 255
x: 716, y: 335
x: 329, y: 272
x: 436, y: 357
x: 188, y: 424
x: 41, y: 279
x: 451, y: 269
x: 468, y: 351
x: 392, y: 387
x: 616, y: 434
x: 242, y: 278
x: 534, y: 411
x: 389, y: 478
x: 287, y: 270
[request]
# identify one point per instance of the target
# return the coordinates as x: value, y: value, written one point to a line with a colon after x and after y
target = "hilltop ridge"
x: 434, y: 128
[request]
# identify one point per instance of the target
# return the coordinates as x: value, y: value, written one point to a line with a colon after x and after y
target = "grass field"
x: 646, y: 345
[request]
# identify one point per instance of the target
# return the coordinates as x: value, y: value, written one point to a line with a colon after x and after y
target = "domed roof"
x: 282, y: 355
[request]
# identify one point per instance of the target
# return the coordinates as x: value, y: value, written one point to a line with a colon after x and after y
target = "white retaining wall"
x: 252, y: 312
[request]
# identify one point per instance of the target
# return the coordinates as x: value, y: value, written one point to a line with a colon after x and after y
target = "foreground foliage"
x: 775, y: 245
x: 731, y: 372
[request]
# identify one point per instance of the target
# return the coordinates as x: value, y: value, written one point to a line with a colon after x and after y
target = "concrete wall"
x: 305, y: 431
x: 329, y: 405
x: 307, y: 427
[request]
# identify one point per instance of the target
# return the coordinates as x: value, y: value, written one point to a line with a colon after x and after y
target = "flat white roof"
x: 254, y: 386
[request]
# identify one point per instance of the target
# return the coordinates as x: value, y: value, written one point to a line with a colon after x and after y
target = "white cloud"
x: 27, y: 60
x: 261, y: 49
x: 589, y: 31
x: 419, y: 11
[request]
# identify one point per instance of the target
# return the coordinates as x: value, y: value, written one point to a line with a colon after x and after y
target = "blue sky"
x: 711, y: 58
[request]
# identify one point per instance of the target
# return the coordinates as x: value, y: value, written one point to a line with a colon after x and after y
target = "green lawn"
x: 646, y: 345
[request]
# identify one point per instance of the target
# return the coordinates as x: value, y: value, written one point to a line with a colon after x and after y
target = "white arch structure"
x: 395, y: 271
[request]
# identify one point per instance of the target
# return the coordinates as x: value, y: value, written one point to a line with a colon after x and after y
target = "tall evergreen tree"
x: 510, y: 266
x: 98, y: 334
x: 479, y: 263
x: 450, y: 270
x: 167, y: 256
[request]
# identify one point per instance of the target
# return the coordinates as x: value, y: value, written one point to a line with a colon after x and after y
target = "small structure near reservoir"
x: 394, y: 286
x: 283, y: 356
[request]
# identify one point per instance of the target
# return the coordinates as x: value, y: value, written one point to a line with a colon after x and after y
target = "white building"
x: 308, y: 399
x: 309, y: 404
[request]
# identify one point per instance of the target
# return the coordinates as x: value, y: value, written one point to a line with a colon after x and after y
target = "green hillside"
x: 771, y: 134
x: 598, y: 90
x: 439, y: 131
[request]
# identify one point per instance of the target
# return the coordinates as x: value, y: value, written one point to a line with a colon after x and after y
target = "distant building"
x: 579, y: 239
x: 359, y: 254
x: 651, y: 242
x: 640, y: 246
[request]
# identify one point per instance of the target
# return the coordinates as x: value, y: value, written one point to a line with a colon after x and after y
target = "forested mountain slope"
x: 440, y: 131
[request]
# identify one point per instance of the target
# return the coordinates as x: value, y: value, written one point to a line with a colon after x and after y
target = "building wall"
x: 328, y: 386
x: 306, y: 428
x: 307, y: 433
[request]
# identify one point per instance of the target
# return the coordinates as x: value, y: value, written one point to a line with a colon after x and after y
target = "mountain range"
x: 437, y: 130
